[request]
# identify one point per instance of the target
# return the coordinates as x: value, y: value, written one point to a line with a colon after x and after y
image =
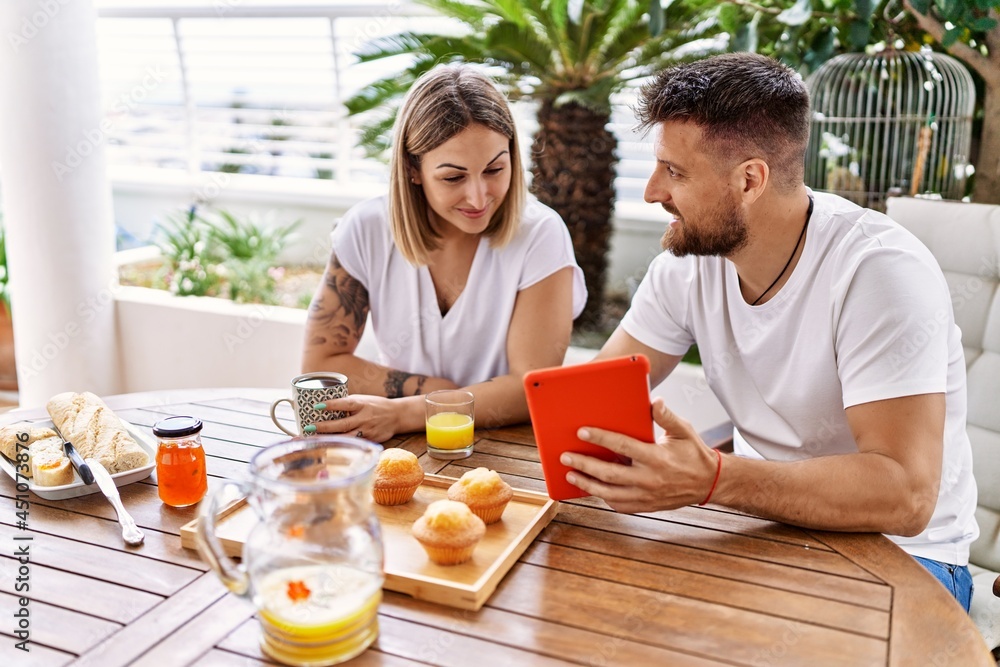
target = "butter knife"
x: 130, y: 532
x: 81, y: 467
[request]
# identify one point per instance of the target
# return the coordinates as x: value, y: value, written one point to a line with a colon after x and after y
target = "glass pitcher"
x: 313, y: 563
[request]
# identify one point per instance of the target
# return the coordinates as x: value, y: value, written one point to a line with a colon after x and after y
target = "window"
x: 252, y: 87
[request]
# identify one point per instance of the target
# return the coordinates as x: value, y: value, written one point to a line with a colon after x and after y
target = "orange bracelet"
x: 718, y: 470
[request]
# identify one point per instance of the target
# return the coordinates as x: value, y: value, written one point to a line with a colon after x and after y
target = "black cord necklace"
x: 809, y: 213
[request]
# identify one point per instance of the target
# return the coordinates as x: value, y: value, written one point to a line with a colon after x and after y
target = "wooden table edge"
x: 919, y: 597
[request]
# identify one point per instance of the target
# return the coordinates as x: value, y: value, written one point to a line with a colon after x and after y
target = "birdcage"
x: 894, y: 122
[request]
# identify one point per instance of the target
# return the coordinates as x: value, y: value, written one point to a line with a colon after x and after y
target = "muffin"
x: 397, y: 476
x: 484, y: 492
x: 448, y: 532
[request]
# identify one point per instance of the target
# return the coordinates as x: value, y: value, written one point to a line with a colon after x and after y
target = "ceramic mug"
x: 309, y: 389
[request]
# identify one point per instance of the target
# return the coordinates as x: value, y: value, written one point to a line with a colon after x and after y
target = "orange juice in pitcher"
x: 312, y: 565
x: 318, y: 614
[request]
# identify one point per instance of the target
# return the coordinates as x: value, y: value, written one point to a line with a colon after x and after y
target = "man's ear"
x: 753, y: 174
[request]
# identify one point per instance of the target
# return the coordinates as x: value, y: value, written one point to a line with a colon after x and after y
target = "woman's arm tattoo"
x: 343, y: 297
x: 395, y: 380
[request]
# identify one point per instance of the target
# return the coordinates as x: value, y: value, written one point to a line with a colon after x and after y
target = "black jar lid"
x: 176, y: 427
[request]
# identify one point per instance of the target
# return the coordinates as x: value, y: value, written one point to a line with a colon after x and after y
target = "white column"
x: 57, y: 199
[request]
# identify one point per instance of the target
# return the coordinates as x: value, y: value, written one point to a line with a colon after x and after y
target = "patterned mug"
x: 309, y: 389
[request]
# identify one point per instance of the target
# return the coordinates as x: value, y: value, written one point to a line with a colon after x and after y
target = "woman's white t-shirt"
x: 865, y: 316
x: 469, y: 343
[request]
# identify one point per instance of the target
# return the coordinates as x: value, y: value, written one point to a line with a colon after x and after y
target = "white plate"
x: 77, y: 487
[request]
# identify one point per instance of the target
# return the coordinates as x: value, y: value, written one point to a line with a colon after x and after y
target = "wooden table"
x: 696, y: 586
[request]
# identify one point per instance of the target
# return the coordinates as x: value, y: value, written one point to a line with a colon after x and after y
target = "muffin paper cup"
x: 398, y: 495
x: 449, y: 555
x: 489, y: 514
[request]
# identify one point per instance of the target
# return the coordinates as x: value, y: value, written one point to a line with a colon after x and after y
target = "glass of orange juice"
x: 450, y: 420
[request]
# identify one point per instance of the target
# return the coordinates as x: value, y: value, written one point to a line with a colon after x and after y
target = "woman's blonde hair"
x: 441, y: 104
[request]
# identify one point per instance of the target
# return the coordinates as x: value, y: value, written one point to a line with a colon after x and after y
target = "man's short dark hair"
x: 747, y: 105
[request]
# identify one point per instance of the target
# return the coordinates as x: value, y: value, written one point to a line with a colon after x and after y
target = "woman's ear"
x: 413, y: 169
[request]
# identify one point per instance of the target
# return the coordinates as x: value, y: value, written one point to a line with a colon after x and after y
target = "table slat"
x: 196, y: 637
x: 141, y: 500
x: 732, y: 592
x: 134, y: 640
x: 38, y: 656
x: 723, y: 566
x: 445, y: 648
x: 73, y: 591
x: 579, y: 645
x: 507, y: 450
x: 126, y: 568
x: 54, y: 520
x: 678, y: 623
x: 57, y: 628
x: 711, y: 540
x: 223, y: 417
x: 219, y: 658
x: 245, y: 641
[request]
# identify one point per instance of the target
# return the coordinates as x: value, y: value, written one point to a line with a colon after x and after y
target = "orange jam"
x: 180, y: 473
x: 180, y: 461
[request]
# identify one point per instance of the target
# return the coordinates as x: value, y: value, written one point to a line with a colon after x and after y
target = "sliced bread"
x: 49, y: 464
x: 23, y: 433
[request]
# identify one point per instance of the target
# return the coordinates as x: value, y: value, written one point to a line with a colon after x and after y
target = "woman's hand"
x: 370, y: 417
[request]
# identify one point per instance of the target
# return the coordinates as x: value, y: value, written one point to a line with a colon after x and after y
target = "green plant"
x: 570, y: 57
x: 219, y: 254
x: 970, y: 31
x: 192, y: 261
x: 4, y: 290
x: 249, y: 238
x: 251, y: 248
x: 801, y: 33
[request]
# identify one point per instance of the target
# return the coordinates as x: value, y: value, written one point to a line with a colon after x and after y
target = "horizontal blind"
x: 257, y: 88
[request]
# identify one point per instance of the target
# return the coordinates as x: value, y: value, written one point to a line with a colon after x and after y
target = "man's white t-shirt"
x: 865, y: 316
x: 469, y: 343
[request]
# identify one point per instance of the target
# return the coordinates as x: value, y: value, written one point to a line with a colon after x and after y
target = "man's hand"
x: 677, y: 470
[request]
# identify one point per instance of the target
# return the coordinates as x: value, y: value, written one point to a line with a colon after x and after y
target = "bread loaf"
x: 49, y: 464
x: 95, y: 431
x: 9, y: 437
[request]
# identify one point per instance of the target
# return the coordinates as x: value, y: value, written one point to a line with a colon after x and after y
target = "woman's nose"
x: 476, y: 193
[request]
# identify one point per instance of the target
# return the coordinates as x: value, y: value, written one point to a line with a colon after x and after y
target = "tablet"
x: 611, y: 394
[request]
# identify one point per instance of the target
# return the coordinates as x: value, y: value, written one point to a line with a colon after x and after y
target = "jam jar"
x: 180, y: 461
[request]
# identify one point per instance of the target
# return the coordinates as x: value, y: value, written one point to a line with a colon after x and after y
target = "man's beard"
x: 720, y: 232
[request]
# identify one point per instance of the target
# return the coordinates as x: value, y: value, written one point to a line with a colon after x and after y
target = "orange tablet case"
x: 611, y: 394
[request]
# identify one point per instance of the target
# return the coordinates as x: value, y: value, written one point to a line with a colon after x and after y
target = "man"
x: 825, y: 330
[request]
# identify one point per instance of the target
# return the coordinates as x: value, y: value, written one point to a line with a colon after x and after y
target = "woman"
x: 468, y: 282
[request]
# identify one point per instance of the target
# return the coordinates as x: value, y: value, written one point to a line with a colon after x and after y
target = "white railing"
x: 257, y: 87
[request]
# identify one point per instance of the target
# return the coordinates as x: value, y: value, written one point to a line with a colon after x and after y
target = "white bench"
x: 965, y: 239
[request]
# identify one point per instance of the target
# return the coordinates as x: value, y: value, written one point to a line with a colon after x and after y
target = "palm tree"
x: 570, y: 58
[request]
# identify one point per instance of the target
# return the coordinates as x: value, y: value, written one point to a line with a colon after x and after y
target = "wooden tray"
x: 407, y: 568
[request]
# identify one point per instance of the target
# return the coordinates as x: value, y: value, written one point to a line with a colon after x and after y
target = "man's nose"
x: 655, y: 192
